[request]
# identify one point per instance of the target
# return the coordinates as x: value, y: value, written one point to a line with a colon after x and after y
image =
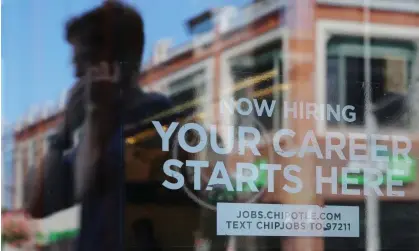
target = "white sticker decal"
x: 244, y: 219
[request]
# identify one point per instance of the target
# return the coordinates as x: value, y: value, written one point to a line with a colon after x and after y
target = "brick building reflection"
x: 305, y: 52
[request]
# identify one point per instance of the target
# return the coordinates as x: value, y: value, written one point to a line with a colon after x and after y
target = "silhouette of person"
x: 107, y: 47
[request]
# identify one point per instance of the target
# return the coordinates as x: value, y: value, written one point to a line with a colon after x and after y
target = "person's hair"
x: 113, y: 31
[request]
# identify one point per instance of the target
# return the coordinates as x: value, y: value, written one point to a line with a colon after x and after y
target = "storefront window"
x: 243, y: 125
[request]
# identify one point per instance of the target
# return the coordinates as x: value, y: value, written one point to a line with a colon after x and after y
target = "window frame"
x: 348, y: 49
x: 327, y: 28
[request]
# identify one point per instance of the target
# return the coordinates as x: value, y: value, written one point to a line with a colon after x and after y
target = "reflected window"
x: 187, y: 92
x: 258, y: 77
x: 391, y: 68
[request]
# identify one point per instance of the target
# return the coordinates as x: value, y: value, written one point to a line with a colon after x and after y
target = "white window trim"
x: 206, y: 65
x: 227, y: 82
x: 397, y: 5
x: 30, y: 153
x: 325, y: 29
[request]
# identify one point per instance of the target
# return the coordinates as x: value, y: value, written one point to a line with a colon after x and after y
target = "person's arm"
x: 49, y: 186
x: 102, y: 128
x: 95, y: 153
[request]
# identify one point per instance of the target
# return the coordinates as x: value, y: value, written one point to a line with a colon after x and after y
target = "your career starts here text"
x: 360, y: 147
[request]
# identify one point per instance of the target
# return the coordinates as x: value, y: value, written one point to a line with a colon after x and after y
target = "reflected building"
x: 8, y: 184
x: 310, y: 52
x: 31, y: 135
x: 286, y: 51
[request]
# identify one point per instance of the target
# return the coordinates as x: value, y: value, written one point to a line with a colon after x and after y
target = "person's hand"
x: 102, y: 90
x: 93, y: 89
x: 97, y: 93
x: 103, y: 99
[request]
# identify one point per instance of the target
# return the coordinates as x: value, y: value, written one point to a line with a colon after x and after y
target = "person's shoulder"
x: 153, y: 106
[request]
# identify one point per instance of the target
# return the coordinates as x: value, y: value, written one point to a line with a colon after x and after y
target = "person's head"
x: 111, y: 33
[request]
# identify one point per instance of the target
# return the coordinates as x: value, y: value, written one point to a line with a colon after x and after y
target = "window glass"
x: 241, y: 125
x: 390, y: 73
x: 190, y: 88
x: 258, y: 76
